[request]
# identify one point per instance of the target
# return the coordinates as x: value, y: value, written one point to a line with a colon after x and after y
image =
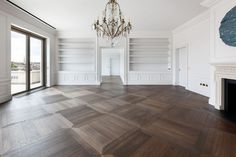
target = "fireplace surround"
x: 230, y: 96
x: 221, y: 73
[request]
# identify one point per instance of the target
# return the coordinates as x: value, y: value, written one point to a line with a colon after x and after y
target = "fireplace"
x: 230, y: 96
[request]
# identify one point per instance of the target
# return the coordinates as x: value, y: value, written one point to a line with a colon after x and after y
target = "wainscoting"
x: 77, y: 78
x: 150, y: 78
x: 5, y: 93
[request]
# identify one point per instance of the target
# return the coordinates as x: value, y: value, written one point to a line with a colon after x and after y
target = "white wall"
x: 195, y: 35
x: 221, y: 54
x: 10, y: 15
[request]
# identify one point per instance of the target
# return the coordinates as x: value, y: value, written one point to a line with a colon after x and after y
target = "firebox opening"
x: 230, y: 96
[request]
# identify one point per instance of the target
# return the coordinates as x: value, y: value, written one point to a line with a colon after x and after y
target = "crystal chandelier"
x: 113, y: 23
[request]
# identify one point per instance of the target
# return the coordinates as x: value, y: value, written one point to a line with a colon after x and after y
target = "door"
x: 115, y: 64
x: 18, y: 62
x: 110, y: 62
x: 36, y: 63
x: 27, y: 61
x: 182, y: 67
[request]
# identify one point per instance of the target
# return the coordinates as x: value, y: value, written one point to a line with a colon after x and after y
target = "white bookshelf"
x: 76, y: 55
x: 149, y: 54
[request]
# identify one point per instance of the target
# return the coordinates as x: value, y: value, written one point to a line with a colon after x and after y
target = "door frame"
x: 176, y: 65
x: 99, y: 63
x: 44, y: 59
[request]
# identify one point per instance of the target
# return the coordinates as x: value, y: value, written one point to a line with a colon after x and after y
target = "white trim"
x: 3, y: 81
x: 222, y: 72
x: 198, y: 19
x: 19, y: 14
x: 175, y: 65
x: 99, y: 60
x: 209, y: 3
x: 5, y: 90
x: 149, y: 78
x: 5, y: 98
x: 77, y: 78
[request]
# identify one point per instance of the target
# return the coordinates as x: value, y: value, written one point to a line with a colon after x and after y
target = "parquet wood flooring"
x: 103, y: 131
x: 112, y: 120
x: 80, y: 115
x: 59, y: 144
x: 137, y: 114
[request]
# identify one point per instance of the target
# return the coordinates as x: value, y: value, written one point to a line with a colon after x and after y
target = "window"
x: 27, y: 61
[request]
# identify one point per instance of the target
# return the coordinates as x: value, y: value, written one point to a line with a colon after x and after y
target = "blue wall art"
x: 228, y: 28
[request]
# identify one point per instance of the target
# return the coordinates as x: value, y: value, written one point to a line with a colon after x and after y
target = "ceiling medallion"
x: 113, y: 24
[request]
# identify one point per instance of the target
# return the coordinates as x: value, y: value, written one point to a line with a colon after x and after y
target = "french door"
x: 27, y: 61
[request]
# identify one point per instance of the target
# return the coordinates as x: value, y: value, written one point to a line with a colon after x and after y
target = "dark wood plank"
x: 54, y: 98
x: 137, y: 114
x: 103, y: 131
x: 80, y: 115
x: 220, y: 144
x: 175, y: 133
x: 59, y: 144
x: 126, y: 145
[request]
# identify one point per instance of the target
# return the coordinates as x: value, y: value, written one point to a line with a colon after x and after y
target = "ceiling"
x: 145, y: 15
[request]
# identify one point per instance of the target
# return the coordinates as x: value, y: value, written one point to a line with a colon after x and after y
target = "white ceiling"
x: 145, y: 15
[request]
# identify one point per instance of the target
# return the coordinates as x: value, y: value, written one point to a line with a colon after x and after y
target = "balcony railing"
x: 19, y: 77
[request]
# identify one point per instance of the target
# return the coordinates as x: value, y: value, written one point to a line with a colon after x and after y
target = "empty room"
x: 117, y: 78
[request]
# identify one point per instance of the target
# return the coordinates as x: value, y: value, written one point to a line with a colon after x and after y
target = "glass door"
x: 18, y: 62
x: 27, y: 61
x: 36, y: 62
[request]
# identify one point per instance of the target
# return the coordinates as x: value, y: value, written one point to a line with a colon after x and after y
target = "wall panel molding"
x: 209, y: 3
x: 150, y: 78
x: 77, y: 78
x: 198, y: 19
x: 5, y: 92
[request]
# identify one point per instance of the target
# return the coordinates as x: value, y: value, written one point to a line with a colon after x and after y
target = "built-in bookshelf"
x: 149, y: 54
x: 76, y: 55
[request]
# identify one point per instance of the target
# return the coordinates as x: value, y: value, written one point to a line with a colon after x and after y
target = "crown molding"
x: 198, y: 19
x: 209, y: 3
x: 15, y: 14
x: 27, y: 12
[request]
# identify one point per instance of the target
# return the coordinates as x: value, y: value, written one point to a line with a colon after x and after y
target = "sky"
x: 18, y: 48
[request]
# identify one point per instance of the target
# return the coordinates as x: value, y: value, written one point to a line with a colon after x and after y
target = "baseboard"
x: 5, y: 99
x: 79, y: 84
x: 149, y: 84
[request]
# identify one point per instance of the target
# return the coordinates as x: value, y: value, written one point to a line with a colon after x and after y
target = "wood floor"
x: 114, y: 121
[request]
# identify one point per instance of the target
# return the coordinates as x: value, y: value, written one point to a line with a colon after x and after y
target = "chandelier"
x: 113, y: 23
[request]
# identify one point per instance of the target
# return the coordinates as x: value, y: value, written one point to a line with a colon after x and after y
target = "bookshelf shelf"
x: 76, y: 54
x: 149, y: 54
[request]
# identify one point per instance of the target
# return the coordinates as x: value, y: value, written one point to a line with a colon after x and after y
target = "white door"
x: 115, y: 65
x: 111, y: 63
x: 106, y: 65
x: 183, y: 67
